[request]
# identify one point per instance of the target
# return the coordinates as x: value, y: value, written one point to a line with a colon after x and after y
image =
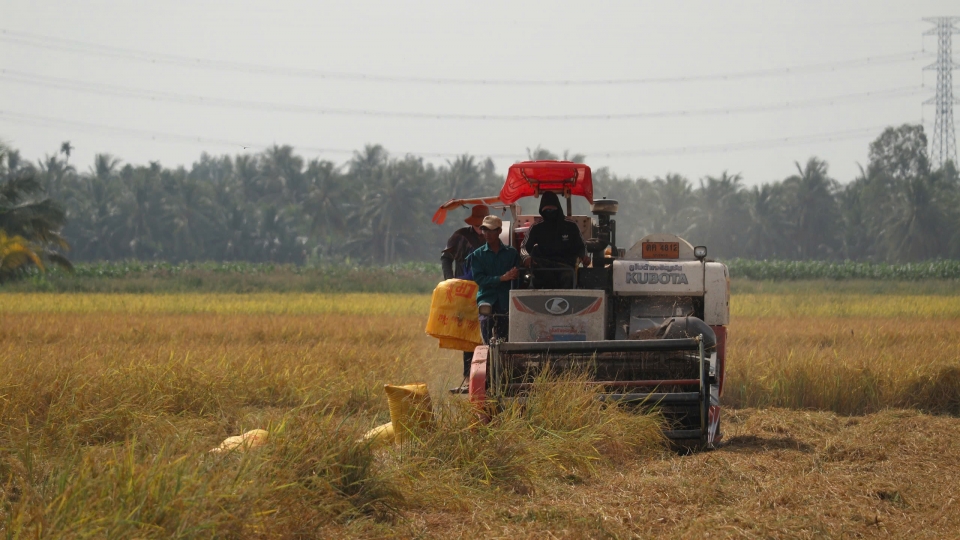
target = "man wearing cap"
x: 494, y: 266
x: 463, y: 242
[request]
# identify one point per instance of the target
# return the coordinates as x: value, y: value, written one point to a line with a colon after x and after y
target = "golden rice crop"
x: 823, y: 305
x: 850, y: 365
x: 828, y: 305
x: 109, y: 405
x: 106, y: 420
x: 227, y: 304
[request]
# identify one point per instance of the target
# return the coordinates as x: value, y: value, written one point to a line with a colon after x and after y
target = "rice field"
x: 840, y: 421
x: 749, y: 305
x: 370, y: 304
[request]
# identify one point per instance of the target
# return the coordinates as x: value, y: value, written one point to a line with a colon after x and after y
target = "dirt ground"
x: 780, y: 474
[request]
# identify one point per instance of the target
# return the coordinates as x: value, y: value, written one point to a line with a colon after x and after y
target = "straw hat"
x: 477, y: 214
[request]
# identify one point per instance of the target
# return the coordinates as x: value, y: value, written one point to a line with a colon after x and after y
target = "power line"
x: 795, y: 140
x: 20, y: 77
x: 83, y: 47
x: 89, y: 127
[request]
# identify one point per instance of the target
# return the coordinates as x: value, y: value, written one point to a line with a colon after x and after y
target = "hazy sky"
x: 748, y: 87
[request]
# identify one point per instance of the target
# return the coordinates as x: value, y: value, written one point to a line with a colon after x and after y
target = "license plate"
x: 661, y: 250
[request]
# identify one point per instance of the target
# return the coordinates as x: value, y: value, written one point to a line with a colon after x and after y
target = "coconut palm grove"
x: 276, y: 206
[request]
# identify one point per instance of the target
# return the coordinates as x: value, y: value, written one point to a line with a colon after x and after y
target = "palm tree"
x: 328, y: 199
x: 913, y: 228
x: 281, y: 174
x: 814, y: 209
x: 672, y: 209
x: 16, y: 255
x: 859, y: 240
x: 57, y: 177
x: 25, y: 213
x: 720, y: 223
x: 910, y: 205
x: 142, y: 211
x: 769, y: 226
x: 393, y: 197
x: 98, y: 213
x: 461, y: 178
x: 632, y: 221
x: 186, y: 215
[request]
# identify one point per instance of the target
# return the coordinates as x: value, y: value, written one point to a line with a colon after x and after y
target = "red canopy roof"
x: 529, y: 178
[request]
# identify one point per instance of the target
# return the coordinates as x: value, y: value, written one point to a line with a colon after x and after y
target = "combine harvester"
x: 647, y: 323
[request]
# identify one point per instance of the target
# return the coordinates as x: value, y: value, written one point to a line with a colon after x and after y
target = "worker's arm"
x: 522, y: 261
x: 576, y: 249
x: 449, y: 254
x: 485, y: 272
x: 530, y: 243
x: 446, y: 263
x: 578, y: 243
x: 584, y: 258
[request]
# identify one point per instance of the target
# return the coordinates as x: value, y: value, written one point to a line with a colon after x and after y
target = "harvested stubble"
x: 783, y: 474
x: 106, y: 417
x: 222, y: 304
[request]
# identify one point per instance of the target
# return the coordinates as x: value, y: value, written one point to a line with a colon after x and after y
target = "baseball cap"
x: 491, y: 223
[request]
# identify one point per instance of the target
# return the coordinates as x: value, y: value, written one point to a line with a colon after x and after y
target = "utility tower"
x: 943, y: 146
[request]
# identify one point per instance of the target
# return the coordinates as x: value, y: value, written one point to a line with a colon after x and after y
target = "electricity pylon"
x: 943, y: 146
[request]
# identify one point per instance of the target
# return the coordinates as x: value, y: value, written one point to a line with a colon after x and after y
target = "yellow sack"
x: 410, y: 409
x: 381, y: 434
x: 240, y: 443
x: 453, y: 315
x: 456, y: 344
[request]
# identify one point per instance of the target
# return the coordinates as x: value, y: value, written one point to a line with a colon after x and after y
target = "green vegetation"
x: 276, y: 206
x: 234, y: 277
x: 781, y: 277
x: 30, y: 222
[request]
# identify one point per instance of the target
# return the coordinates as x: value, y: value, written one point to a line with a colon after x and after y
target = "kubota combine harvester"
x: 646, y: 322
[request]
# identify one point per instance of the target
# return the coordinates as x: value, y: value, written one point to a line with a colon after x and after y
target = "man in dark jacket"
x: 453, y: 258
x: 556, y: 246
x: 461, y: 243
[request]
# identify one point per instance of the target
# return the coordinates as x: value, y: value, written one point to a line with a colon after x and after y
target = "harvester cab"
x: 647, y: 323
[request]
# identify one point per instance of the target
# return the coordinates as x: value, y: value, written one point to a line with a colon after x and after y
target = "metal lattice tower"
x: 943, y: 146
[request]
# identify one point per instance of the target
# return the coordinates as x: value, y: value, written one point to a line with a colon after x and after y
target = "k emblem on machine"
x: 557, y: 305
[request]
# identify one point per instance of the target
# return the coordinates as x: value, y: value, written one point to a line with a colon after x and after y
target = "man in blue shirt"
x: 494, y: 266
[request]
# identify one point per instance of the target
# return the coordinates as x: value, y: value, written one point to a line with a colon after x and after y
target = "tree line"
x: 275, y: 206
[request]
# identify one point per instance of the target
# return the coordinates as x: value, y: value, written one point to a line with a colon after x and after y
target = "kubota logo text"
x: 653, y: 278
